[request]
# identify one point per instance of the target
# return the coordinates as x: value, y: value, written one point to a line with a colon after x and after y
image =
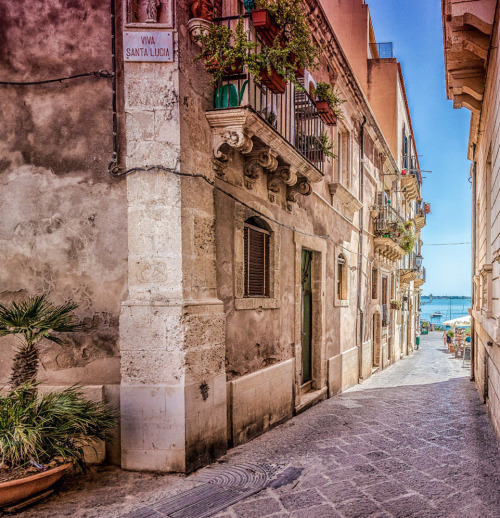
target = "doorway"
x: 307, y: 312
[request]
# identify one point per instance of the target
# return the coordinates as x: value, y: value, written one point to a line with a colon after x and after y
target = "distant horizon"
x: 448, y: 296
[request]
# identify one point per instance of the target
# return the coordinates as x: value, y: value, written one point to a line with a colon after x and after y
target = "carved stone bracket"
x: 285, y: 174
x: 238, y: 140
x: 302, y: 186
x: 257, y: 163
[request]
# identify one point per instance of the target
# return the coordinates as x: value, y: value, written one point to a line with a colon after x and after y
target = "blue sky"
x: 441, y: 135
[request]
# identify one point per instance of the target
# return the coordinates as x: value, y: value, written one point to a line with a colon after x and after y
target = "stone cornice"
x: 321, y: 26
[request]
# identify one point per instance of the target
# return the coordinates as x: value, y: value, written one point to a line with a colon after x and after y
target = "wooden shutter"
x: 256, y: 261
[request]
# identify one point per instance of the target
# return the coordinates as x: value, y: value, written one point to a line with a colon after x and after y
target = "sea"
x: 449, y: 307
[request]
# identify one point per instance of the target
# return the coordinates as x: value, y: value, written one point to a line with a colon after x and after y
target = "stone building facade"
x: 471, y: 37
x: 230, y: 275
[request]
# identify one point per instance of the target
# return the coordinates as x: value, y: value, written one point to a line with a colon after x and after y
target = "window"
x: 343, y: 162
x: 385, y: 305
x: 341, y: 278
x: 256, y: 250
x: 374, y: 283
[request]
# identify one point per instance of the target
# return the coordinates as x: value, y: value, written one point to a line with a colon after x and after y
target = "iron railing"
x: 382, y: 50
x: 292, y: 114
x: 387, y: 221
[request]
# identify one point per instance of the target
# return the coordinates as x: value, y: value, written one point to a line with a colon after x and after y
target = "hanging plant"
x: 286, y: 54
x: 407, y: 238
x: 226, y: 51
x: 427, y: 208
x: 292, y: 49
x: 327, y: 103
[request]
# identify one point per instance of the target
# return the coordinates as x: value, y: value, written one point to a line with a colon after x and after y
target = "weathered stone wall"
x: 63, y: 218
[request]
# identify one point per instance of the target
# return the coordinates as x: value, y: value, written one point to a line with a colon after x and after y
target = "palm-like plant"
x: 53, y: 425
x: 32, y: 320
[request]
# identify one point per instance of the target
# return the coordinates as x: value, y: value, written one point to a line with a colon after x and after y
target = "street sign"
x: 155, y: 46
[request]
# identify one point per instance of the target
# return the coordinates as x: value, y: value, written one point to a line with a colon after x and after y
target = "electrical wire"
x: 96, y: 73
x: 116, y: 173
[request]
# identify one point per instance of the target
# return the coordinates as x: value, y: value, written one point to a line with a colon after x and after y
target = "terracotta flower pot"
x: 273, y: 81
x: 236, y: 68
x: 265, y: 25
x: 326, y: 113
x: 21, y: 489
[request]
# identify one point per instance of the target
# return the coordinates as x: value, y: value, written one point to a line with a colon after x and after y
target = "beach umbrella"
x: 460, y: 321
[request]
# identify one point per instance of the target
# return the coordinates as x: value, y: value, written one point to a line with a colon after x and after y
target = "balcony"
x: 278, y: 134
x: 386, y: 229
x: 420, y: 280
x: 382, y: 50
x: 420, y: 219
x: 409, y: 185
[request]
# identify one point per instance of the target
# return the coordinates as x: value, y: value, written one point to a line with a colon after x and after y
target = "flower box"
x: 326, y: 113
x: 273, y: 81
x: 265, y: 25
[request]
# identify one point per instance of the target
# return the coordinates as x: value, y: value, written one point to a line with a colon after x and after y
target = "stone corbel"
x: 285, y: 174
x: 303, y: 187
x: 258, y: 162
x: 232, y: 139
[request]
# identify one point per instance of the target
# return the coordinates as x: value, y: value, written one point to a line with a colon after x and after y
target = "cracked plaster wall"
x: 63, y: 219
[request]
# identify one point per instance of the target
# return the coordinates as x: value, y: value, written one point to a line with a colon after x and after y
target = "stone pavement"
x: 413, y: 440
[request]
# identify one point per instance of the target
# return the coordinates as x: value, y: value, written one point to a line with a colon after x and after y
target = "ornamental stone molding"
x: 283, y: 175
x: 303, y: 187
x: 344, y: 197
x: 241, y: 129
x: 258, y: 162
x: 387, y: 248
x: 467, y: 27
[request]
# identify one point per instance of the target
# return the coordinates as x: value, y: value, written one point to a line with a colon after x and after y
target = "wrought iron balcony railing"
x: 387, y: 221
x: 292, y: 114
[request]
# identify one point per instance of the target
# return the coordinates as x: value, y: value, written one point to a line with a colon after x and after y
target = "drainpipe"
x: 360, y: 245
x: 474, y: 215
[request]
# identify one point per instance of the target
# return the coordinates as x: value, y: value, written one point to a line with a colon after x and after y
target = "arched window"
x: 341, y: 278
x: 256, y: 245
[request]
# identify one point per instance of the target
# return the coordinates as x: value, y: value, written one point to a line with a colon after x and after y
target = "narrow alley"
x: 413, y: 440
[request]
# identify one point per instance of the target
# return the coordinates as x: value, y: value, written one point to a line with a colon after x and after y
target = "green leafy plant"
x: 395, y: 304
x: 450, y: 333
x: 425, y: 324
x: 32, y: 320
x: 324, y: 92
x: 44, y: 427
x: 326, y: 145
x: 407, y: 237
x: 223, y: 48
x: 315, y: 145
x: 293, y: 47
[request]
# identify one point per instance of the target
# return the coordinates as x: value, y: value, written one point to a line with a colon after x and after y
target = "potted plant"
x: 315, y: 148
x: 395, y: 304
x: 45, y: 433
x: 327, y: 103
x: 224, y: 51
x: 427, y: 208
x: 287, y: 48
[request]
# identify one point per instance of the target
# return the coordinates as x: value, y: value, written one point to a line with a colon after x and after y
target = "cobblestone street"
x: 413, y: 440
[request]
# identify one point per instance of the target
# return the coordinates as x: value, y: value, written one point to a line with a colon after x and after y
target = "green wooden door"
x: 306, y: 316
